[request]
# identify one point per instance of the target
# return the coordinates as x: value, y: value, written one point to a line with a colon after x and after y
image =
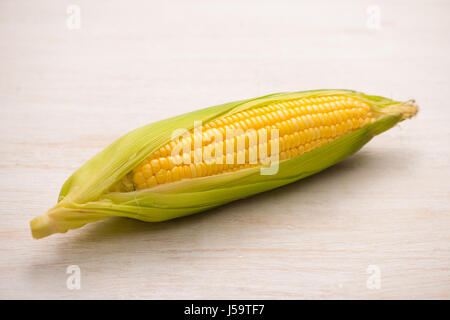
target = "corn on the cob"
x: 303, y: 124
x: 153, y: 175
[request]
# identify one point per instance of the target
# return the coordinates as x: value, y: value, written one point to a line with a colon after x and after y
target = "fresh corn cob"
x: 204, y: 159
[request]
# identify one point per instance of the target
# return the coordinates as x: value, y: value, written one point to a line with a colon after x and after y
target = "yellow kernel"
x: 139, y: 178
x: 151, y: 182
x: 169, y: 176
x: 176, y: 173
x: 155, y: 165
x: 193, y: 170
x: 161, y: 176
x: 147, y: 170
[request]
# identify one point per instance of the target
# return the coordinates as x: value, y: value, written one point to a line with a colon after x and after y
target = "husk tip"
x: 41, y: 226
x: 406, y: 110
x: 409, y: 109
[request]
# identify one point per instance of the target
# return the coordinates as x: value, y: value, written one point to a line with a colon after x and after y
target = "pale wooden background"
x: 66, y: 94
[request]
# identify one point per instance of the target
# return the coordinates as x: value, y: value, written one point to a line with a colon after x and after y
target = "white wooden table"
x: 67, y: 93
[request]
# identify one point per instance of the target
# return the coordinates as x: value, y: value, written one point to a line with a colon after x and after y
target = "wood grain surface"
x: 66, y: 93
